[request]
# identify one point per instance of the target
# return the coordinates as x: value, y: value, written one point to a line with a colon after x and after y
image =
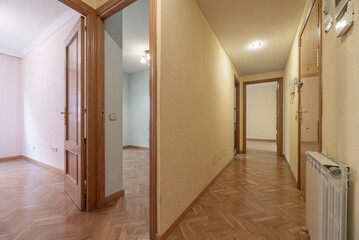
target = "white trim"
x: 10, y: 53
x: 50, y: 31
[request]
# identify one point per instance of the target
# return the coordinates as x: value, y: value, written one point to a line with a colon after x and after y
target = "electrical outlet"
x: 54, y: 149
x: 33, y: 148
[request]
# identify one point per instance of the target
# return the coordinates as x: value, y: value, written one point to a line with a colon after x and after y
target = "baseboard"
x: 261, y: 140
x: 43, y: 165
x: 10, y: 158
x: 172, y: 227
x: 291, y: 171
x: 115, y: 195
x: 135, y: 147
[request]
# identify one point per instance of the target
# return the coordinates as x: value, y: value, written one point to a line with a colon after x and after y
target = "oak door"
x: 74, y: 116
x: 310, y: 93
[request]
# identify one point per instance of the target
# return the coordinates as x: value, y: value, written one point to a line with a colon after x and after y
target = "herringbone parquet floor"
x: 33, y: 204
x: 255, y: 198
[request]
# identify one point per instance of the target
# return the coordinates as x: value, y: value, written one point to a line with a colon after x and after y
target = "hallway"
x: 255, y: 198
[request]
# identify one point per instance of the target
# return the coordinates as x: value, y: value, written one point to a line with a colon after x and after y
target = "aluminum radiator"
x: 326, y: 198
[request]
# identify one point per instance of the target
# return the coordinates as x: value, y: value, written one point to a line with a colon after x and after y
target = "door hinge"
x: 85, y: 186
x: 85, y: 110
x: 85, y: 28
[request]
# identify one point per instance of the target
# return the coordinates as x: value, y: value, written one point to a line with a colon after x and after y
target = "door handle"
x: 302, y: 111
x: 63, y: 113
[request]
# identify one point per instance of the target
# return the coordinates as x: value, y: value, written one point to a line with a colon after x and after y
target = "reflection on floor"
x: 255, y: 198
x: 270, y: 146
x: 34, y: 205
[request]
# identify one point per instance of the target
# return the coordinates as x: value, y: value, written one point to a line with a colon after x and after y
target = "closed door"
x: 309, y: 112
x: 74, y: 116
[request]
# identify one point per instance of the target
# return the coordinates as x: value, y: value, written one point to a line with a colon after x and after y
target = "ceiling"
x: 238, y: 23
x: 136, y: 22
x: 24, y: 24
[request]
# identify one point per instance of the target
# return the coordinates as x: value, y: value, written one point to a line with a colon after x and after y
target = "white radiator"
x: 326, y: 198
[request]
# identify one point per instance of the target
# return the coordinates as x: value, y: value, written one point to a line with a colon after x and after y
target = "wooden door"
x: 74, y: 116
x: 277, y: 116
x: 309, y: 113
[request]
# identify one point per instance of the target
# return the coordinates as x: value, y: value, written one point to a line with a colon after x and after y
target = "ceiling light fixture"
x: 146, y: 58
x: 256, y: 45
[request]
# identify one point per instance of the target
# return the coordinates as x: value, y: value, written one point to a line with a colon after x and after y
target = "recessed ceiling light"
x: 256, y: 45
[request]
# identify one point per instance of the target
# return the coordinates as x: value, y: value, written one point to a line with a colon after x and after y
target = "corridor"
x: 254, y: 198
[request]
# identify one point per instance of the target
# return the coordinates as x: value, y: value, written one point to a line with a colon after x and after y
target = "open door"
x: 74, y: 116
x: 309, y: 113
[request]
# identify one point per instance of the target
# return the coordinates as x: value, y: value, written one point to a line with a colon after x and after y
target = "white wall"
x: 43, y: 77
x: 261, y: 112
x: 10, y: 106
x: 113, y: 105
x: 126, y: 110
x: 136, y: 109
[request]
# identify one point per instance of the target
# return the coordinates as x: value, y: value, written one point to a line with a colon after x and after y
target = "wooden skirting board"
x: 135, y: 147
x: 261, y: 140
x: 21, y: 157
x: 172, y: 227
x: 44, y: 165
x: 115, y: 195
x: 10, y: 158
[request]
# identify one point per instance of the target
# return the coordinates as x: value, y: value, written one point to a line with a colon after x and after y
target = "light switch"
x: 112, y: 117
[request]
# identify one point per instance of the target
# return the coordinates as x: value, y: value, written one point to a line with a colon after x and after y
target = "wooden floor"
x: 33, y: 204
x: 262, y: 145
x: 255, y: 198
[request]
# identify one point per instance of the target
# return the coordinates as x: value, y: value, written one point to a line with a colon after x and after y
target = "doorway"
x: 270, y: 137
x: 310, y: 91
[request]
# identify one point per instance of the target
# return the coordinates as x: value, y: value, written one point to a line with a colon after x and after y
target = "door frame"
x: 279, y: 118
x: 238, y: 125
x: 310, y: 9
x: 104, y: 12
x: 95, y: 79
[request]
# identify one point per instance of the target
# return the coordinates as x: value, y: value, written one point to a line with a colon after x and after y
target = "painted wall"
x: 43, y: 77
x: 196, y: 107
x: 261, y: 112
x: 126, y: 110
x: 113, y: 105
x: 341, y: 108
x: 10, y: 107
x: 340, y: 82
x: 136, y: 109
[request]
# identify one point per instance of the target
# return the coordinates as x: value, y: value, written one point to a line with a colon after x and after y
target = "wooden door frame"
x: 280, y: 118
x: 95, y: 101
x: 238, y: 101
x: 310, y: 9
x: 105, y: 11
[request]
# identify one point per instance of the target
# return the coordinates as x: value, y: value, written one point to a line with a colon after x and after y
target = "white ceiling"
x: 24, y: 24
x: 136, y: 22
x: 238, y: 23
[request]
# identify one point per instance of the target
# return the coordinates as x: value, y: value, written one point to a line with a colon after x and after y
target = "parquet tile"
x: 33, y: 204
x: 254, y: 198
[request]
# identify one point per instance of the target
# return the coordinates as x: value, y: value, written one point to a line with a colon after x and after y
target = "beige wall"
x: 196, y: 107
x: 341, y: 108
x: 261, y: 112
